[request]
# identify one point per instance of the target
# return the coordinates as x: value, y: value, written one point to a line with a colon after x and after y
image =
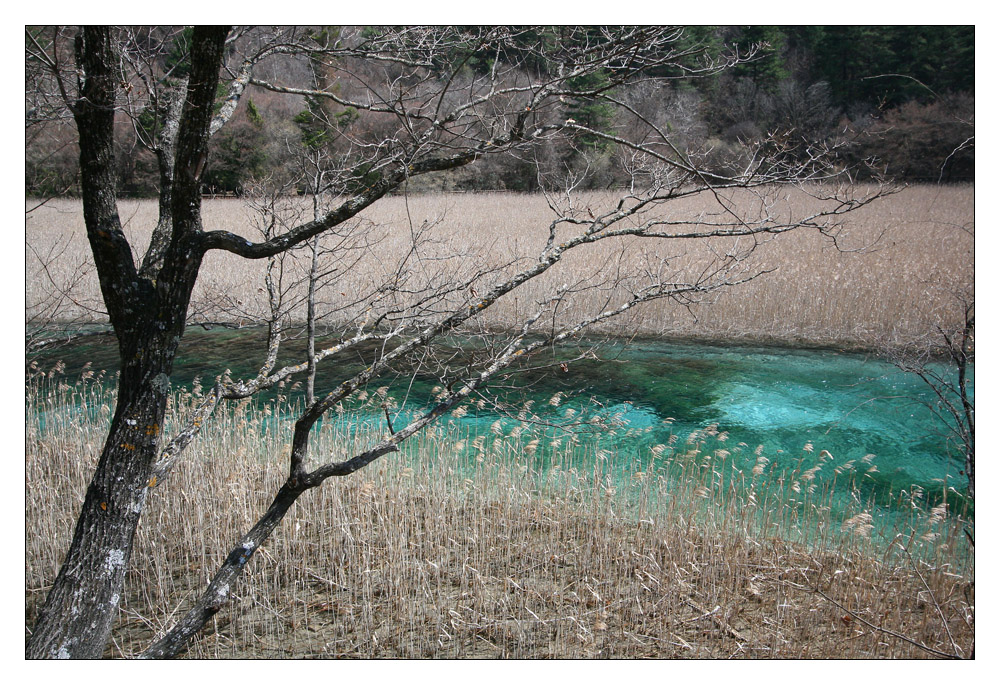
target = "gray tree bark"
x: 148, y: 318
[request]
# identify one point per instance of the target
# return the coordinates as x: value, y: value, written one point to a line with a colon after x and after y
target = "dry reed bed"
x: 425, y: 557
x: 892, y: 292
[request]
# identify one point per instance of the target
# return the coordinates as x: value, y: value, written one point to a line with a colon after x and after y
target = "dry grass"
x: 433, y: 554
x: 428, y: 555
x: 891, y: 292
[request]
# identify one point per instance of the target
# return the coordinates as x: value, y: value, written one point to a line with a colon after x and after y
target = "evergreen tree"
x: 769, y: 69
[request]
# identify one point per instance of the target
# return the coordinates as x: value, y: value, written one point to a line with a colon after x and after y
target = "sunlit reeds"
x: 508, y: 539
x: 917, y: 251
x: 504, y: 539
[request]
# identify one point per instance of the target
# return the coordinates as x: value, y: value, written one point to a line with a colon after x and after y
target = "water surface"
x: 785, y: 404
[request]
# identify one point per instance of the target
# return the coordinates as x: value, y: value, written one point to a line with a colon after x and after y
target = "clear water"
x: 784, y: 399
x: 785, y: 404
x: 792, y: 402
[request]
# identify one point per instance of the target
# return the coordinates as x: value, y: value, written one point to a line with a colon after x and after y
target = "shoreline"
x: 832, y: 344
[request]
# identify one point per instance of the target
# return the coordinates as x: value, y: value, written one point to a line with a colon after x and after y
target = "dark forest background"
x: 903, y: 96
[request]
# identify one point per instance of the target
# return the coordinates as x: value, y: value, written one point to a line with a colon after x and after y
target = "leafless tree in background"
x: 423, y: 100
x: 944, y: 361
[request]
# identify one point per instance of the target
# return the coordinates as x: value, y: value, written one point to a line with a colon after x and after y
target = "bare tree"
x: 944, y: 361
x: 429, y: 100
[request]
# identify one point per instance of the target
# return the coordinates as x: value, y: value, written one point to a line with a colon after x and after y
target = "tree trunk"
x: 148, y: 314
x: 76, y: 619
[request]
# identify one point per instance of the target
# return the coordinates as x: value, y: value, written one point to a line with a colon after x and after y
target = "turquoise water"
x: 847, y: 404
x: 787, y: 405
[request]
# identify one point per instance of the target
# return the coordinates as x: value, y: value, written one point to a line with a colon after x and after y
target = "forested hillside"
x: 902, y: 95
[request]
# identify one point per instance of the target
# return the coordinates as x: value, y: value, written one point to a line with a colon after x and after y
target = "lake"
x: 648, y: 398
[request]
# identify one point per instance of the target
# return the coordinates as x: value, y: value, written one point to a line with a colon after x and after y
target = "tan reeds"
x: 463, y: 546
x: 889, y: 293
